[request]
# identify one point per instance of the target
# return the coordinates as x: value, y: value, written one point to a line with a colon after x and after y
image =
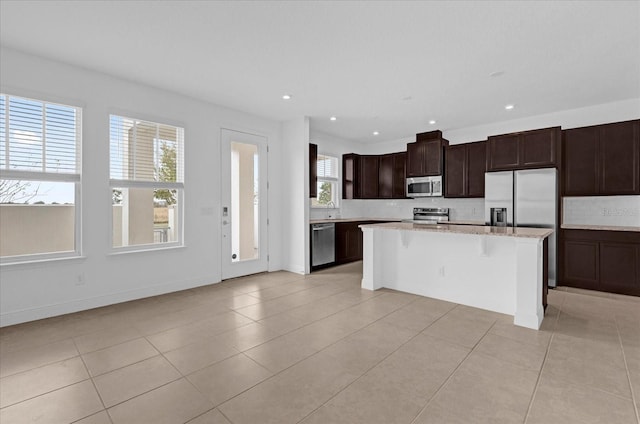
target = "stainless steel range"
x: 429, y: 216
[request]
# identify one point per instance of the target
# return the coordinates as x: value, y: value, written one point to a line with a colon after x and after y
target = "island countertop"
x: 465, y: 229
x: 330, y: 220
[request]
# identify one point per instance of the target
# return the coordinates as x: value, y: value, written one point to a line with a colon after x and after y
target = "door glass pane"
x: 244, y: 202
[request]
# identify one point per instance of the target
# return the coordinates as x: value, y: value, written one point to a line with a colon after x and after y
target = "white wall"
x: 573, y: 118
x: 461, y: 209
x: 37, y: 290
x: 333, y: 146
x: 473, y: 209
x: 295, y: 187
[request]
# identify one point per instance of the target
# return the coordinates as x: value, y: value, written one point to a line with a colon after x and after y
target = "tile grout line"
x: 57, y: 388
x: 308, y: 324
x: 41, y: 366
x: 93, y: 383
x: 444, y: 383
x: 292, y: 365
x: 417, y: 334
x: 299, y: 306
x: 544, y: 361
x: 313, y: 354
x: 377, y: 363
x: 159, y: 353
x: 626, y: 366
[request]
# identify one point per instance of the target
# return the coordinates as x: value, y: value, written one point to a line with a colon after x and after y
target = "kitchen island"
x: 501, y: 269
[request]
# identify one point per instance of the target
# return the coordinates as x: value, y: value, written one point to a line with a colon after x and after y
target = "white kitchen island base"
x: 498, y: 269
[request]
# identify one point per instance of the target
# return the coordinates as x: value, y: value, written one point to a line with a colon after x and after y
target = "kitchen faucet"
x: 330, y: 205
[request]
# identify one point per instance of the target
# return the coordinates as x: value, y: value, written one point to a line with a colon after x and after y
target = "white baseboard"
x: 48, y: 311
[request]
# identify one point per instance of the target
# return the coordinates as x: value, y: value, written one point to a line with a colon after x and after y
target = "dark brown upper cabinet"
x: 391, y: 176
x: 477, y: 157
x: 313, y: 170
x: 350, y: 176
x: 425, y: 156
x: 620, y: 159
x: 385, y: 177
x: 464, y: 169
x: 524, y: 150
x: 602, y: 159
x: 455, y: 171
x: 369, y: 167
x: 373, y: 176
x: 399, y: 175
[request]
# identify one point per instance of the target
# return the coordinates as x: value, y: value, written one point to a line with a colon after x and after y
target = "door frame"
x: 229, y: 269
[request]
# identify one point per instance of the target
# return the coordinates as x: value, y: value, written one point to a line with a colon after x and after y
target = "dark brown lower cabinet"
x: 348, y: 242
x: 607, y: 261
x: 619, y: 267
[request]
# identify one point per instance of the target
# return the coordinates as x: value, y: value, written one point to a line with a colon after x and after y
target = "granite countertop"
x: 327, y: 220
x: 598, y: 227
x: 465, y: 229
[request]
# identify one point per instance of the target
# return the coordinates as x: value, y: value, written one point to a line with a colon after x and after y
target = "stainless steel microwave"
x: 424, y: 186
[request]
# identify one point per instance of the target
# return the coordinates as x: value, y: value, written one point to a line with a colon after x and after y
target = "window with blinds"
x: 40, y: 179
x: 147, y: 182
x: 327, y: 167
x: 327, y: 190
x: 38, y: 137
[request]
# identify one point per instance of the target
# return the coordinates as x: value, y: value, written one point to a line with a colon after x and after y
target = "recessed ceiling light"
x: 496, y: 74
x: 509, y: 107
x: 376, y: 133
x: 432, y: 122
x: 286, y: 97
x: 333, y: 118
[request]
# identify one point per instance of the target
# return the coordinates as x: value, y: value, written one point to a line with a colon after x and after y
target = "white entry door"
x: 244, y: 203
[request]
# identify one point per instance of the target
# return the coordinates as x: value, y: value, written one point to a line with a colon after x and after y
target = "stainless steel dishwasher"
x: 323, y: 244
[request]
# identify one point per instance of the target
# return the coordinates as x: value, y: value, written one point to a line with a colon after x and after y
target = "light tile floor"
x: 284, y: 348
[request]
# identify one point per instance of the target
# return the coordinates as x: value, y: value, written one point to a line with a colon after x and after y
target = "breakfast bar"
x: 501, y: 269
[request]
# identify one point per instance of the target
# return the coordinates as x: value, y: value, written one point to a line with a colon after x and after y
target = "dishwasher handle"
x: 320, y: 227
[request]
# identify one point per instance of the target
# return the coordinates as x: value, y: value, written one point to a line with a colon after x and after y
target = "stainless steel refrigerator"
x: 526, y: 198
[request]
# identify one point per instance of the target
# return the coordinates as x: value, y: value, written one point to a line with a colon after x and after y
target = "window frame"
x: 153, y: 185
x: 334, y: 180
x: 62, y: 177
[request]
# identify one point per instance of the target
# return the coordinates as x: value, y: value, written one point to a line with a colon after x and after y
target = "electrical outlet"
x: 441, y: 271
x: 80, y: 279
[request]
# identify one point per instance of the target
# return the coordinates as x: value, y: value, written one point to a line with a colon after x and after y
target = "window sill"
x: 29, y: 262
x: 145, y: 249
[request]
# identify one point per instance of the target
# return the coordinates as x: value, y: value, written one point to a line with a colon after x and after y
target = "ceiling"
x: 379, y: 66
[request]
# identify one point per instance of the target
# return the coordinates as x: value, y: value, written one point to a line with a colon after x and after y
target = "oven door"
x: 419, y: 187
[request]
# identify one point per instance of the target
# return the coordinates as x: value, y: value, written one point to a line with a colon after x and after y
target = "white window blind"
x: 327, y: 166
x: 147, y: 183
x: 327, y: 184
x: 40, y: 169
x: 38, y: 137
x: 143, y: 151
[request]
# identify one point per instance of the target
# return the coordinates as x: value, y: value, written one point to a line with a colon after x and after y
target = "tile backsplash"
x: 623, y: 211
x: 460, y: 209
